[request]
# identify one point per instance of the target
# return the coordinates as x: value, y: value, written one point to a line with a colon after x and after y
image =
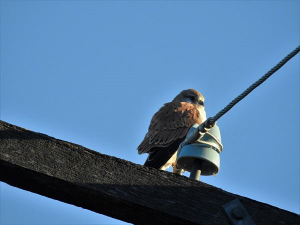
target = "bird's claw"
x: 176, y: 169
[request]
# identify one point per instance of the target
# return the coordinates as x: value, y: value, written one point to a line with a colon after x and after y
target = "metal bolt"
x: 196, y: 169
x: 238, y: 212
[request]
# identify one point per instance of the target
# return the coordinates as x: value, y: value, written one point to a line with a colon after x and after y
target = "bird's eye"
x: 201, y: 103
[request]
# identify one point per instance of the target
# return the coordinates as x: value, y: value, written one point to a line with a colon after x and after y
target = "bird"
x: 169, y: 127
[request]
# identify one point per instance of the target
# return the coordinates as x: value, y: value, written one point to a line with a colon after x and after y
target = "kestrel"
x: 169, y: 127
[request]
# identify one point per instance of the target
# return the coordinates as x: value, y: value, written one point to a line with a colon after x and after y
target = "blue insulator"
x: 205, y: 152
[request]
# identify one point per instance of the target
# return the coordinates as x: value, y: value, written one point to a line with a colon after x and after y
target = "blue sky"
x: 94, y: 73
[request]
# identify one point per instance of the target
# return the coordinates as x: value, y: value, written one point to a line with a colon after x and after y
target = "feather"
x: 169, y: 126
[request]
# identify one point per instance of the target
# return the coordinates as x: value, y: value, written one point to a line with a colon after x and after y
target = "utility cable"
x: 210, y: 122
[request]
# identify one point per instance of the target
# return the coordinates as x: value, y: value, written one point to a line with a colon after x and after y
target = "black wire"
x: 212, y: 120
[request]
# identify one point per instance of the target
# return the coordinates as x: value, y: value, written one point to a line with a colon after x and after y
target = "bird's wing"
x: 168, y: 125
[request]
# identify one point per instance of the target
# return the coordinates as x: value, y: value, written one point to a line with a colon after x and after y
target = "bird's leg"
x: 176, y: 169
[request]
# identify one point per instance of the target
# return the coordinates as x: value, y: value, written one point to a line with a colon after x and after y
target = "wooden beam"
x: 114, y: 187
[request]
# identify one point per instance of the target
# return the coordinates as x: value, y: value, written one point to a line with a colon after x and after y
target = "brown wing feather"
x: 169, y: 124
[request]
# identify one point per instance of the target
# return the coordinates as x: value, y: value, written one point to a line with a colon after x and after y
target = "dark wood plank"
x: 114, y: 187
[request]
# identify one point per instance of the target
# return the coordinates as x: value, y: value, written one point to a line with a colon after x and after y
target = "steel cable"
x: 212, y: 120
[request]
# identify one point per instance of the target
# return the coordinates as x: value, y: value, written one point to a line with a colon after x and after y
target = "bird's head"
x: 190, y: 95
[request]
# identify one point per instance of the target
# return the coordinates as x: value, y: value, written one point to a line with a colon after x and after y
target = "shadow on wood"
x: 117, y: 188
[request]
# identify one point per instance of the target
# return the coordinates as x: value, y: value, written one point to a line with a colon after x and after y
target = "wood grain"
x: 114, y: 187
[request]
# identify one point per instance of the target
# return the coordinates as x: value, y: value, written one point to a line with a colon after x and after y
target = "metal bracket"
x: 237, y: 214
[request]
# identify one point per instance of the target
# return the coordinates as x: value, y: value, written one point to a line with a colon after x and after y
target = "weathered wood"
x: 117, y: 188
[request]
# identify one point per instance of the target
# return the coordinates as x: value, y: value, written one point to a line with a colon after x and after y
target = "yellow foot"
x: 176, y: 169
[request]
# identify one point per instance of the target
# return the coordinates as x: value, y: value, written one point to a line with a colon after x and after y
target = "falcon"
x: 169, y: 127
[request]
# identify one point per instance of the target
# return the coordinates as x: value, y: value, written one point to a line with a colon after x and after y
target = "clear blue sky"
x: 85, y: 71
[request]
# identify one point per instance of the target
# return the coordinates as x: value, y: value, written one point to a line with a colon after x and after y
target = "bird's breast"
x: 202, y: 112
